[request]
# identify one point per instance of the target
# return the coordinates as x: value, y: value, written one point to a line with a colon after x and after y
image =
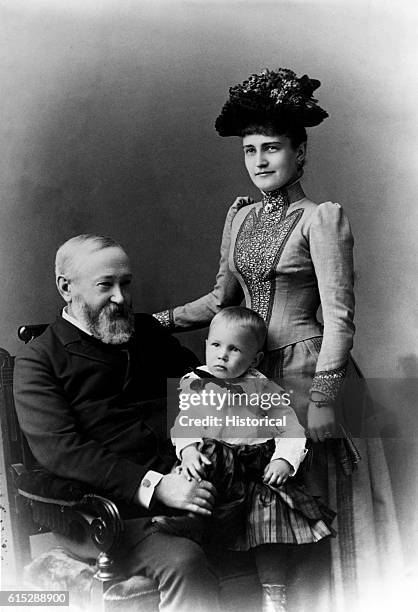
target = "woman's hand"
x: 321, y: 422
x: 277, y: 472
x: 193, y: 463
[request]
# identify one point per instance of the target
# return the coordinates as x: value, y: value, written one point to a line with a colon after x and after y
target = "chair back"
x: 16, y: 457
x: 26, y: 333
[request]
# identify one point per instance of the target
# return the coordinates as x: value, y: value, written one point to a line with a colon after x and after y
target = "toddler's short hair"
x: 247, y: 318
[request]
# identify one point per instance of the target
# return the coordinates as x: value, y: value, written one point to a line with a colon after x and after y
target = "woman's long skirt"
x: 364, y: 560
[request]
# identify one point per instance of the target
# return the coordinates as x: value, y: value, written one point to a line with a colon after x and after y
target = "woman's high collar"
x: 282, y: 197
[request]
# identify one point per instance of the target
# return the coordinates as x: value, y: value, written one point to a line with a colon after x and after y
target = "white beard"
x: 110, y: 325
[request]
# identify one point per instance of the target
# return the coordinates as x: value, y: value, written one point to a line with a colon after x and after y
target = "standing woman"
x: 285, y: 256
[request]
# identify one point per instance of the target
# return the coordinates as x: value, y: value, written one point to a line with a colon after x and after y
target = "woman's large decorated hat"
x: 270, y: 96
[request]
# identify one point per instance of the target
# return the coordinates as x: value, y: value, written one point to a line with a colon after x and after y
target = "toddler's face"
x: 231, y: 349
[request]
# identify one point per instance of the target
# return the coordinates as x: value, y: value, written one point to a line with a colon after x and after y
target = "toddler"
x: 237, y: 429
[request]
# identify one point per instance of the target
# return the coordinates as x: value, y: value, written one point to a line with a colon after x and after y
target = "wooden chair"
x: 84, y: 523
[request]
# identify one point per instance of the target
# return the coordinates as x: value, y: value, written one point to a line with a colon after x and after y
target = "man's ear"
x: 257, y: 359
x: 64, y: 288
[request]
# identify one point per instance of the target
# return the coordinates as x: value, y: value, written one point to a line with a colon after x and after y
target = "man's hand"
x: 193, y: 463
x: 321, y: 422
x: 175, y: 491
x: 277, y: 472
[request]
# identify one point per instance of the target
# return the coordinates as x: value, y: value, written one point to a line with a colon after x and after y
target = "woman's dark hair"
x: 295, y: 132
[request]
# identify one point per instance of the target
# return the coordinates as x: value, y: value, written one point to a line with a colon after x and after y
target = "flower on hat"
x: 271, y: 95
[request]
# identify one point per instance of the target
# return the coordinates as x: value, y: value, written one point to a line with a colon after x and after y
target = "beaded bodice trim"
x: 260, y: 243
x: 282, y: 198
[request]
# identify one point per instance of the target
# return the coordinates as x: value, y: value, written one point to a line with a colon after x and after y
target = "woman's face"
x: 271, y: 161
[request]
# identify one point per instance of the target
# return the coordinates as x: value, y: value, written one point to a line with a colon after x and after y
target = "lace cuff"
x: 329, y: 382
x: 165, y: 317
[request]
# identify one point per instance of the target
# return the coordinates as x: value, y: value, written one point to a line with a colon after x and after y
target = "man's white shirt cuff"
x: 147, y: 487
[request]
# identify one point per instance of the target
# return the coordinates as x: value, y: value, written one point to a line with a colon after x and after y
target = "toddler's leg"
x: 271, y: 561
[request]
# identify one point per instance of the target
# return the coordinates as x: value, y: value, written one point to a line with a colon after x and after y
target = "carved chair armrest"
x: 67, y: 508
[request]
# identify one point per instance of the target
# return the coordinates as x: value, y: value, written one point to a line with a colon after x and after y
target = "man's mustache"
x: 118, y: 310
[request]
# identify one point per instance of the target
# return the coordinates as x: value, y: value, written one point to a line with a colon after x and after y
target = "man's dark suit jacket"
x: 93, y: 412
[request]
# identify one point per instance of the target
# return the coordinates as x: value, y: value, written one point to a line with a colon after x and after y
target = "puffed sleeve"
x: 331, y: 247
x: 226, y: 291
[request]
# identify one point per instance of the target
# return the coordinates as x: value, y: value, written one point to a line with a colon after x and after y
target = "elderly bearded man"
x: 88, y: 396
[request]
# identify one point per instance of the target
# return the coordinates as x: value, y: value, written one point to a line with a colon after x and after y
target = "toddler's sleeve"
x: 180, y: 427
x: 290, y: 436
